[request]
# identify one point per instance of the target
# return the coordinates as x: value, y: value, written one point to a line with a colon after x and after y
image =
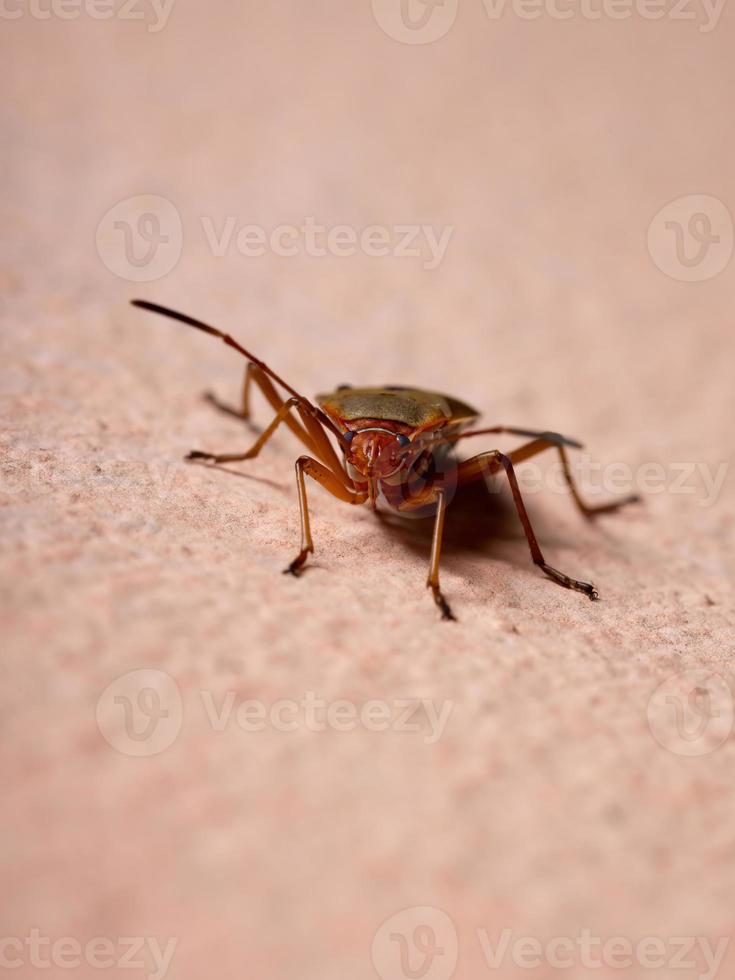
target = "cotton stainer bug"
x: 390, y: 439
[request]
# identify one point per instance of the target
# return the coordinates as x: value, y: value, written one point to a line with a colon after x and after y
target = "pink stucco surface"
x: 560, y: 793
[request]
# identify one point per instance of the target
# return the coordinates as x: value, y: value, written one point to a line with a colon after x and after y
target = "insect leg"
x: 552, y: 440
x: 339, y: 486
x: 282, y: 415
x: 323, y: 447
x: 309, y: 431
x: 244, y: 411
x: 275, y: 400
x: 491, y: 462
x: 264, y: 376
x: 589, y: 510
x: 418, y: 494
x: 436, y: 546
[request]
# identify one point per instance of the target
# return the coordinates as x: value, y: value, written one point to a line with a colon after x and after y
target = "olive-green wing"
x: 412, y: 406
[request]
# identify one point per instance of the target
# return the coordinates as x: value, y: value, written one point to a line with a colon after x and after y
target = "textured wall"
x: 542, y: 786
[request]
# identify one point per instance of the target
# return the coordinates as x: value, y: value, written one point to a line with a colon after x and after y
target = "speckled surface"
x: 554, y: 795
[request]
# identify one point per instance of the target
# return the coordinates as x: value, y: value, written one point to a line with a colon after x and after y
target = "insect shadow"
x: 241, y: 473
x: 476, y: 520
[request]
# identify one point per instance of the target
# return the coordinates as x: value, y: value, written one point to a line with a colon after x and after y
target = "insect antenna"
x: 225, y: 337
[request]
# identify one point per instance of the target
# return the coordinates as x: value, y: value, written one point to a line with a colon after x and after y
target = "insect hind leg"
x: 548, y: 441
x: 552, y: 440
x: 491, y: 462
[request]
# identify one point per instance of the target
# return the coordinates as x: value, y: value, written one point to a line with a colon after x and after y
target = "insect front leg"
x: 339, y: 486
x: 485, y: 464
x: 417, y: 494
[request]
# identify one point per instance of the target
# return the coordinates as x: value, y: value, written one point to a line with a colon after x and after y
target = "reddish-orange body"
x: 393, y: 442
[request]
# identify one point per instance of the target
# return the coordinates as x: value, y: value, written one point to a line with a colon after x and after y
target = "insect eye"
x: 348, y: 436
x: 402, y: 440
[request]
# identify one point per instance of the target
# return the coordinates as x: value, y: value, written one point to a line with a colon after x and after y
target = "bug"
x: 392, y: 440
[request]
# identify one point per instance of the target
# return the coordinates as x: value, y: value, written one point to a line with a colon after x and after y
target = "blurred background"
x: 525, y: 204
